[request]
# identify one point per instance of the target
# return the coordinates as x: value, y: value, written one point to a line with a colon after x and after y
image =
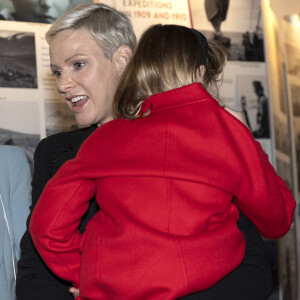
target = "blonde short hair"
x: 109, y: 27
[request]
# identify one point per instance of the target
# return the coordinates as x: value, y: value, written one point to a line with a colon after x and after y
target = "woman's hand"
x: 74, y: 291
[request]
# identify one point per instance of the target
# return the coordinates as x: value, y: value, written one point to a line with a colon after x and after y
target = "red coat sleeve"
x: 56, y: 217
x: 260, y: 193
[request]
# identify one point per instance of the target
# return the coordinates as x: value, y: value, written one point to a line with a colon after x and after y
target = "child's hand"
x: 74, y: 291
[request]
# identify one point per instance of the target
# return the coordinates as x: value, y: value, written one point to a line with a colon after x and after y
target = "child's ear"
x: 122, y: 57
x: 201, y: 72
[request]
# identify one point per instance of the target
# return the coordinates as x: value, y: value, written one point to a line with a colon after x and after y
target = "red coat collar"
x: 185, y: 95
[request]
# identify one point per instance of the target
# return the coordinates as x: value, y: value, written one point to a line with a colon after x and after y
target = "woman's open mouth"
x: 78, y: 102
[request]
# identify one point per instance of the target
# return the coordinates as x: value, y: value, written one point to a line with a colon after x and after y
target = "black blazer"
x: 251, y: 280
x: 34, y: 280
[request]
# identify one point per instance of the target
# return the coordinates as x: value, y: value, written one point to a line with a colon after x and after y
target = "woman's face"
x: 40, y: 11
x: 85, y: 79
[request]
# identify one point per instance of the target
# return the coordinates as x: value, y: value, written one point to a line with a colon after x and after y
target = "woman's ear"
x: 122, y: 57
x: 201, y: 72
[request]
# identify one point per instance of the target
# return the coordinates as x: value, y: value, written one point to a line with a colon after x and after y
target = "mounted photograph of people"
x: 37, y: 11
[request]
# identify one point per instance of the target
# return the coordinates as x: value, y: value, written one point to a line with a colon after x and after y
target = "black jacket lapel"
x: 69, y: 148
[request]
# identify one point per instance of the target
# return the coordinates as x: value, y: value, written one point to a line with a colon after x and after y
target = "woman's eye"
x: 78, y: 65
x: 56, y: 73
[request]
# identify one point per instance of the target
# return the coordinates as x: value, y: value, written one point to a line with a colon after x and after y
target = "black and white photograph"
x: 293, y: 59
x: 287, y: 264
x: 58, y: 118
x: 35, y: 10
x: 292, y: 38
x: 284, y: 168
x: 281, y: 132
x: 295, y: 97
x: 218, y: 19
x: 278, y: 66
x: 23, y: 134
x: 254, y: 103
x: 17, y: 60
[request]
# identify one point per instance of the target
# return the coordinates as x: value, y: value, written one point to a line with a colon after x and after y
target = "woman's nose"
x: 64, y: 84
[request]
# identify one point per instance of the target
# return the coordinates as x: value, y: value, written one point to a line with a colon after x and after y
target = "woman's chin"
x: 81, y: 123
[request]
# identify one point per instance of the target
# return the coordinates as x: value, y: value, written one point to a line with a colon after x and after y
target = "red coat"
x: 165, y: 184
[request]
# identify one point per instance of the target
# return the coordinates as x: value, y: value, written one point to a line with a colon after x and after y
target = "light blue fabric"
x: 15, y: 193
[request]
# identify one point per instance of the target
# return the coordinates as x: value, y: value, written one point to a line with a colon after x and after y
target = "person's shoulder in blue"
x: 15, y: 197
